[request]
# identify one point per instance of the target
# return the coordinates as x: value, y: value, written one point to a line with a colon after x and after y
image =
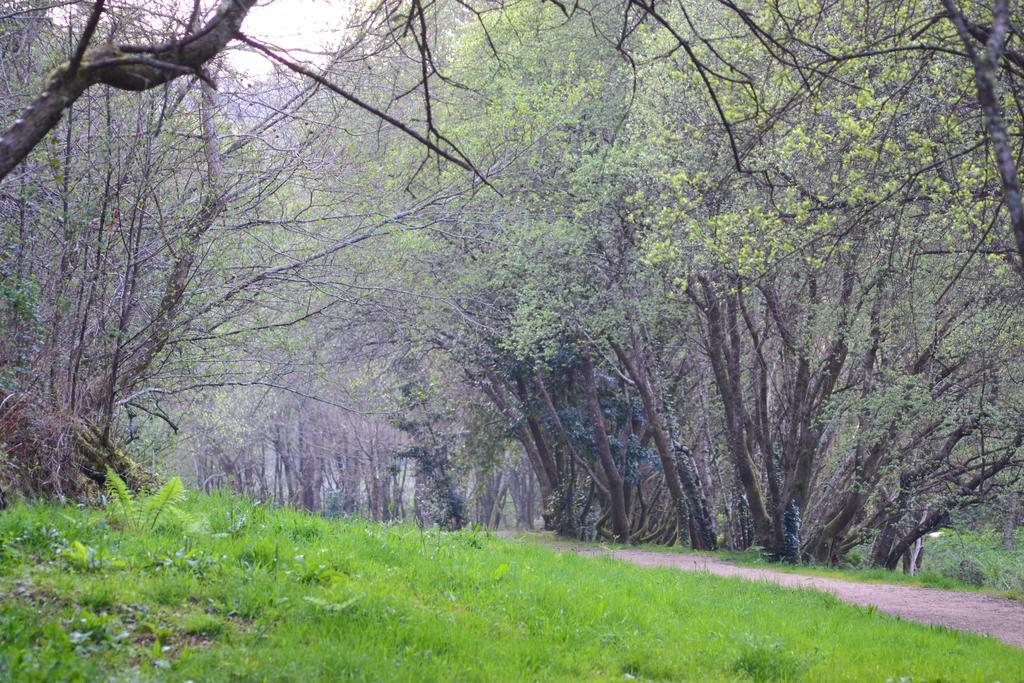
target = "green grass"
x: 234, y: 591
x: 753, y: 558
x: 926, y: 579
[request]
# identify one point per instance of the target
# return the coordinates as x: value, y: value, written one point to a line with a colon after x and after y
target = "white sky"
x: 302, y: 27
x: 311, y: 25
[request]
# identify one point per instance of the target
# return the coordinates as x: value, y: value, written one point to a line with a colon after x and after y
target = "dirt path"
x: 978, y: 612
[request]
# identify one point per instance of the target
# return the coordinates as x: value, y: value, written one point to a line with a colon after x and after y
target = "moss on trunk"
x: 96, y: 451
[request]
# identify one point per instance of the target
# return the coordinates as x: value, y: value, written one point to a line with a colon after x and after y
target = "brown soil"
x: 978, y: 612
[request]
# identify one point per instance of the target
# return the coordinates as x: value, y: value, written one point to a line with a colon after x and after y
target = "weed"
x: 764, y: 662
x: 82, y: 558
x: 201, y: 624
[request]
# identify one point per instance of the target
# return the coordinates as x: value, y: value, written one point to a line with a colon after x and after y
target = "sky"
x: 302, y: 27
x: 311, y: 25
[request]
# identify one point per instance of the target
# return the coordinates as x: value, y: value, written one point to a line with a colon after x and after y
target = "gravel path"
x: 978, y: 612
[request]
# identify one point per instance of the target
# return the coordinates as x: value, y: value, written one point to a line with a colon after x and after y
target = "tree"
x: 125, y: 67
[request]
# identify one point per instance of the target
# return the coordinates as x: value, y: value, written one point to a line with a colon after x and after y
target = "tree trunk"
x: 96, y: 452
x: 620, y: 523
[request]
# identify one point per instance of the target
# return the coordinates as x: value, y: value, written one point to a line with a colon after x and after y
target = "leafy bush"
x: 977, y: 558
x: 791, y: 538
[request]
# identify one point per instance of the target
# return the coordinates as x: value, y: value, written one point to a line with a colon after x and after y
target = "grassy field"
x: 229, y: 590
x: 754, y: 558
x: 928, y: 579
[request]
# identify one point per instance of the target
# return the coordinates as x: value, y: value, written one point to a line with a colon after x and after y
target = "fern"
x: 141, y: 514
x: 170, y: 493
x: 119, y: 495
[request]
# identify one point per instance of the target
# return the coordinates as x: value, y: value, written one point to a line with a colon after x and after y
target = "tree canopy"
x: 713, y: 273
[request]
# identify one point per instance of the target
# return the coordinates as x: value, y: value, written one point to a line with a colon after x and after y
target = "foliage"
x: 791, y: 537
x: 977, y: 558
x: 145, y: 512
x: 723, y: 274
x: 428, y: 420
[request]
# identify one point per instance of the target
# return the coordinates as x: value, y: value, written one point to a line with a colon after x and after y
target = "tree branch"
x: 985, y: 69
x: 124, y: 67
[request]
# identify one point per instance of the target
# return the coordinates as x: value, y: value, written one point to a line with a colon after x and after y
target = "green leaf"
x: 161, y: 501
x: 119, y: 495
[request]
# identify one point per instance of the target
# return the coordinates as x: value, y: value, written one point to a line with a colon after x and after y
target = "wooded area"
x: 719, y: 274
